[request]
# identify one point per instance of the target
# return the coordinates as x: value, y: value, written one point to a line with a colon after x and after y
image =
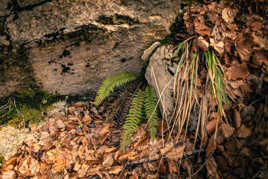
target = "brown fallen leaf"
x: 115, y: 170
x: 243, y: 132
x: 71, y: 110
x: 237, y: 71
x: 211, y: 125
x: 127, y: 155
x: 228, y: 14
x: 172, y: 166
x: 167, y: 148
x: 212, y: 170
x: 211, y: 146
x: 226, y: 130
x: 8, y: 174
x: 83, y: 170
x: 175, y: 153
x: 237, y: 118
x: 28, y: 166
x: 105, y: 130
x: 108, y: 160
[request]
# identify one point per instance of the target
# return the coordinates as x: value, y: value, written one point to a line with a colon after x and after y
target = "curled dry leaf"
x: 202, y: 43
x: 217, y: 45
x: 228, y: 14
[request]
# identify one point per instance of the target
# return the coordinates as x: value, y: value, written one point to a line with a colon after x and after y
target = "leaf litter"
x: 83, y: 144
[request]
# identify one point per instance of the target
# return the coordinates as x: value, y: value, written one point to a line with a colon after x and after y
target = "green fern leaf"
x: 110, y: 83
x: 133, y: 119
x: 151, y: 110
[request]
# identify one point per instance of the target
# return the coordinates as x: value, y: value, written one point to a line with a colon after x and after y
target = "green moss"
x: 2, y: 159
x: 26, y: 115
x: 26, y: 106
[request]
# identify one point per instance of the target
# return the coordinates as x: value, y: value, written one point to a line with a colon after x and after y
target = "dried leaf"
x: 167, y: 148
x: 237, y: 118
x: 211, y: 126
x: 108, y: 160
x: 173, y: 167
x: 237, y: 71
x: 115, y: 170
x: 227, y: 130
x: 228, y: 14
x: 83, y: 170
x: 211, y: 146
x: 105, y: 130
x: 28, y: 166
x: 8, y: 174
x: 212, y: 170
x: 243, y: 132
x: 176, y: 153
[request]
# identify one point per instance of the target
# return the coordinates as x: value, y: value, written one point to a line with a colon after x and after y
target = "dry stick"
x: 186, y: 106
x: 176, y: 119
x: 202, y: 165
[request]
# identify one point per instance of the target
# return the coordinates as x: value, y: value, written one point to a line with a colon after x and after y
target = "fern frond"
x: 133, y: 119
x: 110, y: 83
x: 151, y: 110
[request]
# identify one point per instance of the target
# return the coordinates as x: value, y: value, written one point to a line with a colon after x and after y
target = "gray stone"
x: 68, y: 15
x: 3, y: 7
x: 161, y: 80
x: 81, y: 42
x: 74, y: 69
x: 148, y: 52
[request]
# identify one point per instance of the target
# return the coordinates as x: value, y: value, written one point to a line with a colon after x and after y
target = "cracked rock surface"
x: 70, y: 46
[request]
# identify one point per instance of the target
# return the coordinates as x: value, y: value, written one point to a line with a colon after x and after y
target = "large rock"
x: 73, y: 45
x: 159, y: 77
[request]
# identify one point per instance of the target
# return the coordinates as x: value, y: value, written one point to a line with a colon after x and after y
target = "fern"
x: 133, y: 119
x: 110, y: 83
x: 150, y: 105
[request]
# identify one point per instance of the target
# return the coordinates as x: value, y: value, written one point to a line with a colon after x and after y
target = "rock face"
x: 72, y: 45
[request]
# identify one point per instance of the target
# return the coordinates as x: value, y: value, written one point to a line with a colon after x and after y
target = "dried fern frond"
x: 150, y: 107
x: 110, y: 83
x: 119, y: 108
x: 133, y: 119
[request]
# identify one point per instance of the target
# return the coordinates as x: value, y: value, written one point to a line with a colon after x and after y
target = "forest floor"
x: 81, y: 143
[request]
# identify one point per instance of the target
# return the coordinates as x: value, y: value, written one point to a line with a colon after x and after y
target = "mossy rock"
x: 26, y: 107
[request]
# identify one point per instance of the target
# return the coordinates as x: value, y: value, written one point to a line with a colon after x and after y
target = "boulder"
x: 71, y: 46
x: 159, y: 77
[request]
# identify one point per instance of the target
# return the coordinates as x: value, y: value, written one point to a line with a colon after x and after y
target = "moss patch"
x: 26, y: 107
